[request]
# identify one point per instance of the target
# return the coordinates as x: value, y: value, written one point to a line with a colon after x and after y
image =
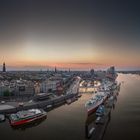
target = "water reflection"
x: 68, y: 121
x: 126, y: 116
x: 40, y: 121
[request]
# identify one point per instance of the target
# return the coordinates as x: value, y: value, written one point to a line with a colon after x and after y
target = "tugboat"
x: 27, y: 116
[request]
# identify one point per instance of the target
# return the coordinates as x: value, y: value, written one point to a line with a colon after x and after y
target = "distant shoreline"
x: 129, y: 72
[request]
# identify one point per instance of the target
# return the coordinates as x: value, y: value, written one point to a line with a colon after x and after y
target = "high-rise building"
x: 4, y: 67
x: 92, y: 72
x: 111, y: 70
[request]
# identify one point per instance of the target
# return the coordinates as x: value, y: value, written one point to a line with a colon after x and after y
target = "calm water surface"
x: 125, y: 119
x: 68, y: 121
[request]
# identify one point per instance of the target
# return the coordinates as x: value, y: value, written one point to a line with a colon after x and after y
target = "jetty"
x: 95, y: 126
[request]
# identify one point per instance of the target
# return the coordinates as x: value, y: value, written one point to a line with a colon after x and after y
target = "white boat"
x: 95, y: 102
x: 26, y: 116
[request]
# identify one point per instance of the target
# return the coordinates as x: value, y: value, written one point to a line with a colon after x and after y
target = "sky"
x: 76, y: 34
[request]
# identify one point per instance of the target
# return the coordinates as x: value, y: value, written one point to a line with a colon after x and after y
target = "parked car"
x: 2, y: 102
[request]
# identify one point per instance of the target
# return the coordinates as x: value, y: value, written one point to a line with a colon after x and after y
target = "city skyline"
x: 68, y: 34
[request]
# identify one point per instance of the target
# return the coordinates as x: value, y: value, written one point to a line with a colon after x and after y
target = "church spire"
x: 55, y: 69
x: 4, y: 67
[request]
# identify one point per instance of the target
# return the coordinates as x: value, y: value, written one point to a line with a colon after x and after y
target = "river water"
x: 68, y: 121
x: 125, y: 119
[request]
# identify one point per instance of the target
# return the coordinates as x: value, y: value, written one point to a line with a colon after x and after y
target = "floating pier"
x: 95, y: 126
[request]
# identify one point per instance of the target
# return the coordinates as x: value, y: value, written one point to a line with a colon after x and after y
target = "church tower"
x: 55, y: 69
x: 4, y: 67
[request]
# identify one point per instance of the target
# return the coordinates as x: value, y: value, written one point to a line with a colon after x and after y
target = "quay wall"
x: 41, y: 104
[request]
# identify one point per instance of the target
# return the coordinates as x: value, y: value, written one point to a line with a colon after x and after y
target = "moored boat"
x: 95, y: 102
x: 100, y: 111
x: 26, y: 116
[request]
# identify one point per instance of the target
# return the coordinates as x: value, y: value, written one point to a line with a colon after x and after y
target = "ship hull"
x: 93, y: 109
x: 27, y: 121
